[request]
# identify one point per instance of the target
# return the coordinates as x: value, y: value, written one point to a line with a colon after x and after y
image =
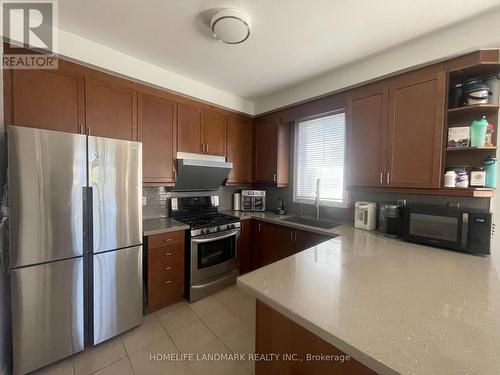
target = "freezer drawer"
x: 117, y: 292
x: 47, y: 313
x: 47, y: 171
x: 115, y: 176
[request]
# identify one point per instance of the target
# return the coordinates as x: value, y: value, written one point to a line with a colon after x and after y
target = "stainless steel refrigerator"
x: 75, y: 242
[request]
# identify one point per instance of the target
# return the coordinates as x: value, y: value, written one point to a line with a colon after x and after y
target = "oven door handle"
x: 215, y: 236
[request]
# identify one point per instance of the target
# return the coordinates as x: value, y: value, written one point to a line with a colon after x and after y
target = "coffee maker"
x: 391, y: 219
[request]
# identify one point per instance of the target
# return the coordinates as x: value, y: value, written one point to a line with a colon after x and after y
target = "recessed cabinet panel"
x: 189, y: 128
x: 239, y: 150
x: 367, y: 110
x: 111, y: 110
x: 46, y: 99
x: 415, y: 143
x: 214, y: 133
x: 266, y: 151
x: 157, y: 132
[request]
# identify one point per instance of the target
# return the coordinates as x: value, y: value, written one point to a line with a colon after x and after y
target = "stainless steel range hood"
x: 197, y: 172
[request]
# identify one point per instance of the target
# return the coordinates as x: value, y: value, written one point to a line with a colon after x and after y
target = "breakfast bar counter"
x: 393, y: 306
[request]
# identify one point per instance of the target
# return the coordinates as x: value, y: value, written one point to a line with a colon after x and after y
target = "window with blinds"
x: 320, y: 155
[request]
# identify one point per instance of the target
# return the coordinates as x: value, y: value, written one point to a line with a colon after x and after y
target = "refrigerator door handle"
x: 87, y: 201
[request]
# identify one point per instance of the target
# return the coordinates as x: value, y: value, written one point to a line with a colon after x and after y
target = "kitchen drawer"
x: 167, y: 269
x: 161, y: 291
x: 165, y: 239
x: 167, y: 253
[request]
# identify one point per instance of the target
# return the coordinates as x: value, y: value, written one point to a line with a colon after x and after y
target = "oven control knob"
x: 202, y: 231
x: 233, y: 226
x: 218, y: 229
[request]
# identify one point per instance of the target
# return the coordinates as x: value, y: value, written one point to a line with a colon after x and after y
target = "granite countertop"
x: 396, y: 307
x: 161, y: 225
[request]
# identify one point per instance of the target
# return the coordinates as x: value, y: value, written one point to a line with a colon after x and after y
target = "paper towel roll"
x: 237, y: 201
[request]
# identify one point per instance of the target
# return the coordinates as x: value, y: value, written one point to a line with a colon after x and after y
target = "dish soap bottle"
x: 478, y: 132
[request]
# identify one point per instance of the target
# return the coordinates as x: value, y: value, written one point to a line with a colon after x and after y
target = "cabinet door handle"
x: 168, y: 253
x: 206, y: 147
x: 168, y: 282
x: 88, y: 130
x: 291, y: 236
x: 167, y: 240
x: 388, y: 178
x: 295, y: 236
x: 82, y: 129
x: 168, y: 268
x: 259, y: 227
x: 274, y: 177
x: 381, y: 177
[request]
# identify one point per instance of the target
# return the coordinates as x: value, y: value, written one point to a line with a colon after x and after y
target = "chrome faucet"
x: 317, y: 202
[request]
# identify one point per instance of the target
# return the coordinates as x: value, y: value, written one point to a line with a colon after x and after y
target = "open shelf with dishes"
x: 471, y: 129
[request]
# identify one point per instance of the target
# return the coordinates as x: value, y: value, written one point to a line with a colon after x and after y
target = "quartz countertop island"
x: 395, y: 307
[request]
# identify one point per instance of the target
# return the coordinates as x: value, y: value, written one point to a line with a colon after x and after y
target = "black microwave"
x: 465, y: 230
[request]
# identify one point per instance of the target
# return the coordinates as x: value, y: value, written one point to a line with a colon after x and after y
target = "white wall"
x: 83, y: 50
x: 481, y: 32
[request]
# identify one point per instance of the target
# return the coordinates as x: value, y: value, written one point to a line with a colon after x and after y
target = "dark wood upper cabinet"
x: 415, y: 130
x: 367, y: 116
x: 239, y: 149
x: 46, y: 99
x: 110, y: 108
x: 189, y: 128
x: 157, y: 118
x: 201, y: 130
x: 214, y: 132
x: 271, y: 153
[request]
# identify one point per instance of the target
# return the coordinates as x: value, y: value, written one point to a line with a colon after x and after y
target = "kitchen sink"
x: 325, y: 224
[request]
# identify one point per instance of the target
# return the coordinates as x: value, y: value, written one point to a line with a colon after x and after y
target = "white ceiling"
x: 291, y: 41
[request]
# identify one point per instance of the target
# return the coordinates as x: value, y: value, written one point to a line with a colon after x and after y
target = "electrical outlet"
x: 144, y: 201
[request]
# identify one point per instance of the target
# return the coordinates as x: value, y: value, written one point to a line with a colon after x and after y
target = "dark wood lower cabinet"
x: 164, y: 271
x: 245, y: 247
x: 272, y: 242
x: 276, y: 334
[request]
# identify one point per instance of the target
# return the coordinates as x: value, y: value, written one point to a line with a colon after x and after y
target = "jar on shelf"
x: 462, y: 175
x: 450, y: 179
x: 478, y: 177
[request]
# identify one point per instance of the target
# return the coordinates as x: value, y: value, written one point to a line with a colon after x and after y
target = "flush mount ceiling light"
x: 232, y: 26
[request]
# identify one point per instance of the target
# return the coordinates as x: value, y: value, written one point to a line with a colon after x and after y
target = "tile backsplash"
x: 347, y: 214
x: 157, y: 199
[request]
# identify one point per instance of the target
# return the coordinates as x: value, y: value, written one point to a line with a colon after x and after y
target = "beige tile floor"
x: 220, y: 323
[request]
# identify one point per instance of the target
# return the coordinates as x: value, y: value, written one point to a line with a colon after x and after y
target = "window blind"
x: 320, y: 154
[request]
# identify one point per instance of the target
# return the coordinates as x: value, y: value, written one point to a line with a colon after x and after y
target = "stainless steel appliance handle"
x: 215, y: 236
x: 212, y: 282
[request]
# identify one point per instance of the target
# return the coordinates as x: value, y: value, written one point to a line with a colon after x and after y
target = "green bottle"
x: 478, y: 132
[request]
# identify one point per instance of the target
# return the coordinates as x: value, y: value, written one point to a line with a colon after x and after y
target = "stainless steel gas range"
x: 211, y: 245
